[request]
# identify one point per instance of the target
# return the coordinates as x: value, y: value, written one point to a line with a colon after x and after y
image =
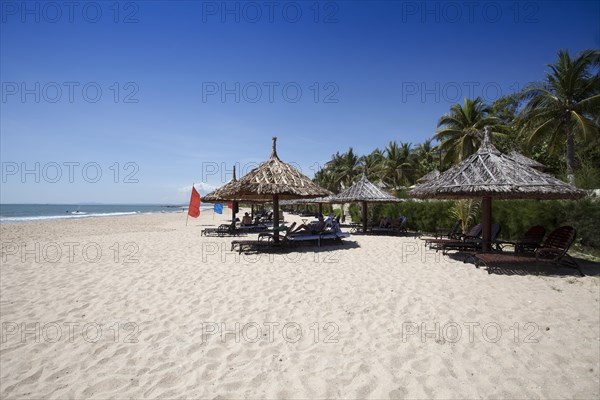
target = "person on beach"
x: 385, y: 222
x: 312, y: 228
x: 246, y: 219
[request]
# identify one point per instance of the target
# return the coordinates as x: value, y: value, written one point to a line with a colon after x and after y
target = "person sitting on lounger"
x: 312, y: 228
x: 246, y: 219
x: 385, y: 222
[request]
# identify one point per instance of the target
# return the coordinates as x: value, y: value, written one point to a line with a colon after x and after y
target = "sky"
x: 133, y: 101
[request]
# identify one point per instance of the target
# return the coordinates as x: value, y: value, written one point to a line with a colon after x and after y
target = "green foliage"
x: 565, y: 106
x: 467, y: 210
x: 354, y: 211
x: 423, y: 216
x: 516, y: 216
x: 461, y: 130
x: 587, y: 175
x: 427, y: 216
x: 584, y: 215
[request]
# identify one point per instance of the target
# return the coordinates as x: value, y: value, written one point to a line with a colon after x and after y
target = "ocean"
x: 15, y: 213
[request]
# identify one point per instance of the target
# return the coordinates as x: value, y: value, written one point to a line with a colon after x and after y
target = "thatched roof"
x: 221, y: 194
x: 315, y: 200
x: 363, y: 190
x: 429, y: 176
x: 521, y: 159
x: 216, y: 196
x: 489, y: 173
x: 273, y: 177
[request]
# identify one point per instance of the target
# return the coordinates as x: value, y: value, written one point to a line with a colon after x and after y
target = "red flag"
x: 194, y: 208
x: 229, y: 205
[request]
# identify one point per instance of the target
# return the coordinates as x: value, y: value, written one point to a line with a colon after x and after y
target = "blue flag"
x: 219, y: 208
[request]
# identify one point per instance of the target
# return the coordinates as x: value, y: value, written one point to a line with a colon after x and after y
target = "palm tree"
x: 426, y: 155
x: 565, y: 105
x: 345, y: 167
x: 326, y: 179
x: 372, y: 165
x: 462, y: 129
x: 398, y: 165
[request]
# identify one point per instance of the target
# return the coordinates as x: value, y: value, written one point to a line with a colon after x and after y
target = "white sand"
x: 353, y: 304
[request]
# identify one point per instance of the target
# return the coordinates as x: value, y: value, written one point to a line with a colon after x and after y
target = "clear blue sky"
x: 384, y: 71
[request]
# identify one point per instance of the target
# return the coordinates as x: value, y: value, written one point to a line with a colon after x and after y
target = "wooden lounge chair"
x: 473, y: 244
x: 473, y: 234
x: 531, y: 240
x: 398, y: 227
x: 222, y: 230
x: 318, y: 237
x: 265, y: 239
x: 255, y: 228
x: 452, y: 233
x: 553, y: 251
x: 332, y: 233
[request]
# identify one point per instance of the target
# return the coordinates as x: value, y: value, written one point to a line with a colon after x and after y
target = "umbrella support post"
x: 276, y: 218
x: 486, y: 206
x: 234, y: 207
x: 364, y: 216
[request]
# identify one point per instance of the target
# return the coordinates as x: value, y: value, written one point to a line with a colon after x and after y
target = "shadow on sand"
x: 566, y: 269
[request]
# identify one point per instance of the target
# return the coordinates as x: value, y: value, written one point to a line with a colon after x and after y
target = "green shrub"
x: 515, y: 216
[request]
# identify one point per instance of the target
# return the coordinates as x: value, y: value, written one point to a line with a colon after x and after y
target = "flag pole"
x: 188, y: 213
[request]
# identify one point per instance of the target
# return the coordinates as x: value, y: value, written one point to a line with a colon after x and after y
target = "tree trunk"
x: 570, y: 157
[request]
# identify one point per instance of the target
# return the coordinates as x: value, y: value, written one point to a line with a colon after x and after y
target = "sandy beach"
x: 142, y: 306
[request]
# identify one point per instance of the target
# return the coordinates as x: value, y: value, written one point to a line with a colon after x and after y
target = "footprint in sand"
x: 399, y: 393
x: 25, y: 382
x: 420, y: 365
x: 58, y: 374
x: 107, y: 385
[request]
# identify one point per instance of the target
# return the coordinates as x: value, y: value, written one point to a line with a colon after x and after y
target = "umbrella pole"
x: 276, y: 218
x: 487, y: 222
x: 364, y: 216
x: 234, y: 207
x: 321, y: 208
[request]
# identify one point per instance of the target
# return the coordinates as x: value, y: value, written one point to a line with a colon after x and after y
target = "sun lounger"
x: 552, y: 251
x: 221, y: 230
x: 265, y: 239
x: 451, y: 233
x: 252, y: 228
x: 473, y: 235
x: 473, y: 244
x: 531, y: 240
x: 318, y: 237
x: 394, y: 229
x: 232, y: 230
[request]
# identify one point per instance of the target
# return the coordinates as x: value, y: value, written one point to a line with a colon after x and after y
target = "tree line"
x: 555, y: 121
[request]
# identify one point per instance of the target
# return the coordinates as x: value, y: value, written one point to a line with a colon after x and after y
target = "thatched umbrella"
x: 276, y: 179
x: 489, y: 173
x: 317, y: 200
x: 429, y: 176
x: 216, y: 196
x: 363, y: 191
x: 521, y: 159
